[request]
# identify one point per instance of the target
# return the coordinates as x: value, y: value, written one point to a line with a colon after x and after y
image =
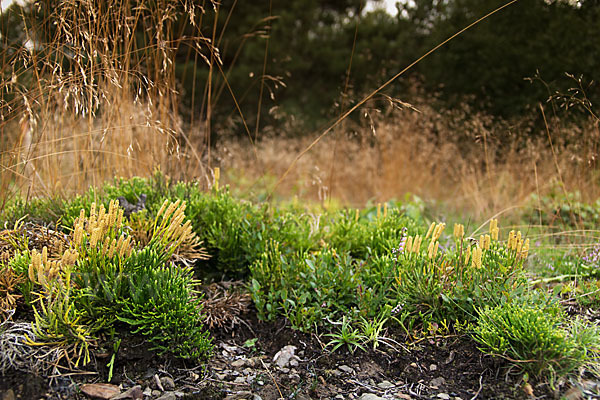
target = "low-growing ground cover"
x: 328, y: 301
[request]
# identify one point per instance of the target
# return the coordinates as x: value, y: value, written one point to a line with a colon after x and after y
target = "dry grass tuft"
x: 466, y: 160
x: 84, y: 100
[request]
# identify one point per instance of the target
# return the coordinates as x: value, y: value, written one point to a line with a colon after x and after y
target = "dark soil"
x: 438, y: 367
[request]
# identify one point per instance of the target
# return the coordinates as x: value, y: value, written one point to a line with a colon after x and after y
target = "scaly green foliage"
x: 539, y: 340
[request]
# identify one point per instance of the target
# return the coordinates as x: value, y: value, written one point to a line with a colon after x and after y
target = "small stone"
x: 284, y: 356
x: 100, y: 390
x: 256, y: 397
x: 443, y: 396
x: 346, y: 369
x: 370, y: 396
x: 168, y: 396
x: 385, y: 385
x: 251, y: 362
x: 238, y: 363
x: 241, y: 395
x: 260, y: 383
x: 240, y: 379
x: 433, y: 367
x: 179, y: 394
x: 437, y: 382
x: 156, y: 393
x: 414, y: 365
x: 339, y: 397
x: 403, y: 396
x: 147, y: 392
x: 167, y: 383
x: 194, y: 376
x: 134, y: 393
x: 285, y: 370
x: 221, y: 377
x: 158, y: 384
x: 229, y: 349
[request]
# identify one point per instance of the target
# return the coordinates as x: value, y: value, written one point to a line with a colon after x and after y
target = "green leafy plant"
x: 164, y: 307
x: 539, y: 340
x: 346, y: 336
x: 58, y: 322
x: 452, y: 283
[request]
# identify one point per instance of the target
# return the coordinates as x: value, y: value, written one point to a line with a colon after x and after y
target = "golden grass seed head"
x: 69, y: 257
x: 162, y: 208
x: 525, y: 248
x: 459, y: 231
x: 477, y: 254
x: 111, y: 250
x: 91, y: 225
x: 45, y: 255
x: 511, y: 240
x: 495, y: 233
x: 430, y: 230
x: 120, y: 219
x: 493, y: 225
x: 95, y: 237
x: 409, y: 242
x: 432, y: 249
x: 78, y: 235
x: 170, y: 209
x: 438, y: 231
x: 101, y: 213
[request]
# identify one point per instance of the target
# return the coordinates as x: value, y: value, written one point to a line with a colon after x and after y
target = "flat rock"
x: 167, y: 383
x: 134, y: 393
x: 167, y: 396
x: 370, y: 396
x: 241, y: 395
x: 285, y: 356
x: 385, y: 385
x: 346, y: 369
x: 100, y: 390
x: 238, y: 363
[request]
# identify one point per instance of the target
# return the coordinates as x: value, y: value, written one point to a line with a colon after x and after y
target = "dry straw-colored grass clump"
x: 85, y: 99
x: 467, y: 160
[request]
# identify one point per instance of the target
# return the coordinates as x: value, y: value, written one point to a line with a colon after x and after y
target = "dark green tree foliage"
x: 308, y: 46
x: 489, y: 62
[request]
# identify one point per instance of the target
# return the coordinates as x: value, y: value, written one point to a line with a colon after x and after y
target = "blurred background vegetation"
x: 93, y: 89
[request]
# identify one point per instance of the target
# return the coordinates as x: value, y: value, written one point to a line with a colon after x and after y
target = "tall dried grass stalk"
x: 89, y: 92
x: 465, y: 160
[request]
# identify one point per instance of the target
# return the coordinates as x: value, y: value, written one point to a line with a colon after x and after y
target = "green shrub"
x: 537, y: 339
x: 369, y: 234
x: 450, y: 284
x: 164, y: 307
x: 102, y: 278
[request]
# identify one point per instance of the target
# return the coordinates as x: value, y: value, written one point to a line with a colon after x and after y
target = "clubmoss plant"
x: 537, y: 339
